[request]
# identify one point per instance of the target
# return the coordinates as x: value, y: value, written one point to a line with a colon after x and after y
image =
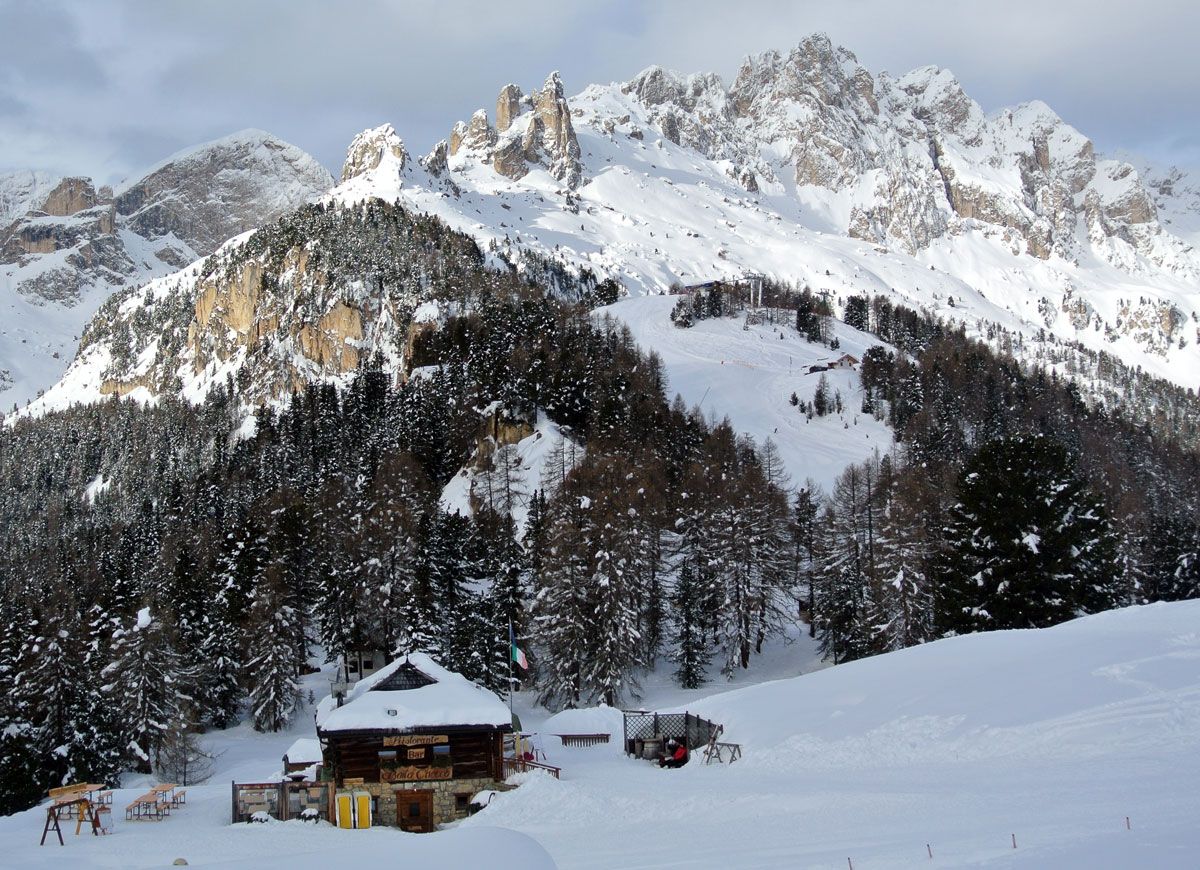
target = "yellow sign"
x: 411, y: 773
x: 416, y: 753
x: 415, y: 739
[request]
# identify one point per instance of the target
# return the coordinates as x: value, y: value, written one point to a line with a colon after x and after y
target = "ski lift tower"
x: 754, y: 282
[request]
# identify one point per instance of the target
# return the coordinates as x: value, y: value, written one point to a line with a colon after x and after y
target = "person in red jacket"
x: 677, y: 755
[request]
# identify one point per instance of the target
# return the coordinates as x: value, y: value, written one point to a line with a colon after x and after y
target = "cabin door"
x: 414, y: 811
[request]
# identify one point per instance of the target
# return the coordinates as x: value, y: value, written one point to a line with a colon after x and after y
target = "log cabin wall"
x: 379, y: 757
x: 468, y: 762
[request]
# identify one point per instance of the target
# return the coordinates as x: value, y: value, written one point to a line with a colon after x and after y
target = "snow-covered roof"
x: 450, y: 699
x: 303, y: 750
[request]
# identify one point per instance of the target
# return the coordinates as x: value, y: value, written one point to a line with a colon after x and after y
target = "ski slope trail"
x: 748, y: 373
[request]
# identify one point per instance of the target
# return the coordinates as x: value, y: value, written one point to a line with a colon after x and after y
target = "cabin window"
x: 368, y: 664
x: 462, y: 801
x: 414, y: 809
x: 441, y: 756
x: 387, y: 755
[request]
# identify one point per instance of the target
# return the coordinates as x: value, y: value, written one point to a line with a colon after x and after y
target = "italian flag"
x: 518, y: 655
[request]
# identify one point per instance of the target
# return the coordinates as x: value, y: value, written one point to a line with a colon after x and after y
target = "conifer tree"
x: 1028, y: 545
x: 274, y: 691
x: 144, y: 685
x: 690, y: 654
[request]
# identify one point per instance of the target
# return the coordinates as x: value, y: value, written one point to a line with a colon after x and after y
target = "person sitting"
x: 677, y: 755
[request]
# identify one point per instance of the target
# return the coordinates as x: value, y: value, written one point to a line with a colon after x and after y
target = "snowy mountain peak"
x: 216, y: 190
x: 808, y: 169
x: 372, y: 147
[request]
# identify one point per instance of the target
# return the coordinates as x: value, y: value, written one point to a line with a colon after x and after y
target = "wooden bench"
x: 717, y: 750
x: 179, y: 797
x: 583, y: 739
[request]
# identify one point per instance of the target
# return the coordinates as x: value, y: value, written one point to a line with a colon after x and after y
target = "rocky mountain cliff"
x: 807, y: 168
x: 66, y: 245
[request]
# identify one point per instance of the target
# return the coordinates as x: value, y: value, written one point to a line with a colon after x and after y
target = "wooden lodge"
x: 415, y: 740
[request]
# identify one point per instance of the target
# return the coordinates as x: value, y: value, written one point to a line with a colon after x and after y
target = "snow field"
x: 1054, y: 735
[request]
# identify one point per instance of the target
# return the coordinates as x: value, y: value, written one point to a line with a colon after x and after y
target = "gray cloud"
x: 114, y: 85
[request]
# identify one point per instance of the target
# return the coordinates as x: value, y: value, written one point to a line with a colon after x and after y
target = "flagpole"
x: 511, y: 716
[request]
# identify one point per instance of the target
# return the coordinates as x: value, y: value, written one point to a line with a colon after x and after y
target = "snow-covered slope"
x: 1054, y: 736
x: 66, y: 246
x: 23, y: 191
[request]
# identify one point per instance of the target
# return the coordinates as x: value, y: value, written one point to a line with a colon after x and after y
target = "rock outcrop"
x: 71, y: 195
x: 71, y: 241
x: 369, y: 148
x: 531, y: 130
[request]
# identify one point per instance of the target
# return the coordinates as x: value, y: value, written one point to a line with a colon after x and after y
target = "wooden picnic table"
x: 156, y: 803
x: 67, y: 796
x: 149, y: 806
x: 172, y: 791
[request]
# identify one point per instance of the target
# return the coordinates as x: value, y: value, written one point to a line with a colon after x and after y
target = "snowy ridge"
x: 812, y: 170
x: 1013, y: 221
x: 23, y: 191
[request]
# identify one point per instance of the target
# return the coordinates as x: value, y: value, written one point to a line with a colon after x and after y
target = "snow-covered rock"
x: 66, y: 246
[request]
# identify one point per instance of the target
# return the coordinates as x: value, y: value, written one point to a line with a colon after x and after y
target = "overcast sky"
x: 106, y: 87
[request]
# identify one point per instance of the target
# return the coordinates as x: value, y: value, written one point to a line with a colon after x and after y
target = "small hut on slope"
x: 420, y: 739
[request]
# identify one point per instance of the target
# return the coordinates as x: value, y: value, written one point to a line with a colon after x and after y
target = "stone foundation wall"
x: 445, y: 792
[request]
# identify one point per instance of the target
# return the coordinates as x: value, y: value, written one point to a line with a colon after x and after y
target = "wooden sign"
x: 416, y: 753
x: 411, y: 773
x: 415, y: 739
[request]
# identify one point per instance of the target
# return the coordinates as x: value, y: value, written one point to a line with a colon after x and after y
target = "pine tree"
x: 271, y: 674
x: 821, y: 402
x: 144, y: 686
x: 690, y: 654
x: 1028, y: 545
